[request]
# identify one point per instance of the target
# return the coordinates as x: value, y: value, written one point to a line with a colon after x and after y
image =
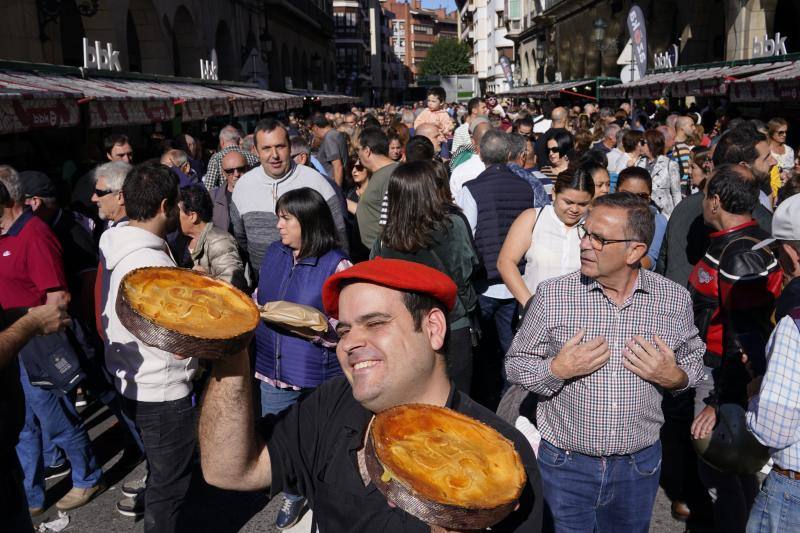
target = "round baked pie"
x: 186, y: 312
x: 443, y: 467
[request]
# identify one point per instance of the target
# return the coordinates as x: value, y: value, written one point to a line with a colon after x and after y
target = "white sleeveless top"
x: 555, y: 249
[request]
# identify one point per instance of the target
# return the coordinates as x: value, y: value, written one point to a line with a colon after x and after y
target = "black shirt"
x: 77, y: 247
x: 313, y: 452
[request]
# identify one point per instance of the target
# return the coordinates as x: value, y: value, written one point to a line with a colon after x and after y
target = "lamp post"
x: 599, y: 33
x: 541, y: 55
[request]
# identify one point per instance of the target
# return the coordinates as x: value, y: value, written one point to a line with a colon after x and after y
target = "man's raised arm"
x: 232, y: 455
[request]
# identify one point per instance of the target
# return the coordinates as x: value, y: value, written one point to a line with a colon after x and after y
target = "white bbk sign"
x: 208, y: 69
x: 101, y: 58
x: 766, y: 47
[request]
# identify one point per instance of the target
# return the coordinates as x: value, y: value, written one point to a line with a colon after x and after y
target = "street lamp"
x: 541, y: 54
x: 599, y: 33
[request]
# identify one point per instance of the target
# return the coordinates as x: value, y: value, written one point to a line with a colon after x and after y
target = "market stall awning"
x: 325, y: 99
x: 702, y: 80
x: 24, y: 106
x: 570, y: 87
x: 772, y: 86
x: 271, y: 101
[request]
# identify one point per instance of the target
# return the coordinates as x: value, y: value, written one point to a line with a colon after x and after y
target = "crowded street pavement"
x: 214, y: 510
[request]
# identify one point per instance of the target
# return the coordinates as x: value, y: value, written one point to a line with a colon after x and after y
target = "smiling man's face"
x: 386, y: 359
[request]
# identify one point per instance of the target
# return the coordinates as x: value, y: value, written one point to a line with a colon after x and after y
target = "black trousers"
x: 168, y: 431
x: 13, y: 504
x: 459, y: 359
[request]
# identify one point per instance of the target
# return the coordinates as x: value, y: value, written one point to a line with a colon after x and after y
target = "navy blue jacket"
x: 500, y: 196
x: 280, y: 355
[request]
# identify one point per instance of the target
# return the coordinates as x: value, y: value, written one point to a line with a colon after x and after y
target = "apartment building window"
x: 418, y: 45
x: 345, y: 22
x: 422, y: 29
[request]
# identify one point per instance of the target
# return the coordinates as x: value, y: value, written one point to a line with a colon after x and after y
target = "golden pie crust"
x: 446, y: 457
x: 189, y: 303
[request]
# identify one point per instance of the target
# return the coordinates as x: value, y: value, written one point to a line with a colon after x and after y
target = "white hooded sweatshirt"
x: 140, y: 372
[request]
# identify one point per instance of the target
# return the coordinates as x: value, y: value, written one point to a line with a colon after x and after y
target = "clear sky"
x: 449, y: 4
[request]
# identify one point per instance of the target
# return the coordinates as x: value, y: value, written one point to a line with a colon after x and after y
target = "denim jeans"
x: 584, y: 493
x: 501, y: 312
x: 777, y: 506
x: 54, y: 415
x: 169, y: 435
x: 274, y: 401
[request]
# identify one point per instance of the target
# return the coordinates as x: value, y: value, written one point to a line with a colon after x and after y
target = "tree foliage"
x: 447, y: 57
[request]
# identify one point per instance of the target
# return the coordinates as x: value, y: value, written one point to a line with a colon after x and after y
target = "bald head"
x: 559, y: 117
x: 233, y: 165
x: 477, y: 135
x: 174, y: 158
x: 431, y: 131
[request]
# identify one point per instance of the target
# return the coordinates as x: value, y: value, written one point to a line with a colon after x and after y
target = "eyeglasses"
x: 102, y: 192
x: 554, y: 150
x: 782, y: 132
x: 597, y: 241
x: 360, y: 168
x: 241, y: 170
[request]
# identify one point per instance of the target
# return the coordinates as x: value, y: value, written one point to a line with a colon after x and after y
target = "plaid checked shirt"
x: 774, y: 414
x: 611, y: 411
x: 213, y: 176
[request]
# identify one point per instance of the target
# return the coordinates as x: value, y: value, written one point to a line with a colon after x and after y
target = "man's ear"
x: 436, y: 322
x: 635, y: 253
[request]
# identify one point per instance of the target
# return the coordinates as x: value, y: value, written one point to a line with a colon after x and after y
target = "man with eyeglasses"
x: 233, y: 166
x: 600, y: 347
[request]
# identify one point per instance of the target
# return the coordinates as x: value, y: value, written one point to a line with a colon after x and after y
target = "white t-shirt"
x: 468, y: 170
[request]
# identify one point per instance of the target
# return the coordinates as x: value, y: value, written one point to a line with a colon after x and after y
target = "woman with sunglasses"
x: 637, y: 181
x: 664, y: 171
x: 778, y: 129
x: 422, y: 228
x: 559, y: 146
x: 547, y: 238
x: 289, y: 366
x: 359, y: 177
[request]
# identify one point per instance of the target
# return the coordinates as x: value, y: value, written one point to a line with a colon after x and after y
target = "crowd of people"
x: 613, y: 290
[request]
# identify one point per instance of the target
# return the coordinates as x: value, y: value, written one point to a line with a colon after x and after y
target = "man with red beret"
x: 393, y: 331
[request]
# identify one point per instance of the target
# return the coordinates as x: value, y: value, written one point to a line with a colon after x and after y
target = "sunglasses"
x: 102, y: 192
x: 782, y: 132
x: 241, y: 170
x: 554, y: 150
x: 360, y: 168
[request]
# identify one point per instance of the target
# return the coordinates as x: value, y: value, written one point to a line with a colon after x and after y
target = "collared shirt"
x: 30, y: 263
x: 213, y: 176
x: 773, y: 416
x: 611, y: 411
x: 313, y: 450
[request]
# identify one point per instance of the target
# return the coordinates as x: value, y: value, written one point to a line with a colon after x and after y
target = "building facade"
x: 415, y: 29
x: 252, y: 40
x: 483, y: 25
x: 574, y: 39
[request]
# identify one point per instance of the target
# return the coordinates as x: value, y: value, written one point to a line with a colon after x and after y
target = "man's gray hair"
x: 612, y: 131
x: 114, y: 172
x: 494, y: 147
x: 229, y: 134
x: 516, y: 146
x: 299, y: 146
x: 248, y: 143
x: 10, y: 179
x: 179, y: 157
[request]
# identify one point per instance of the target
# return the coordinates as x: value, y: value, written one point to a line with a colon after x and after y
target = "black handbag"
x: 53, y: 362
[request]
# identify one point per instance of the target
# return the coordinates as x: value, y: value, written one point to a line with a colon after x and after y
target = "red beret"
x: 394, y: 274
